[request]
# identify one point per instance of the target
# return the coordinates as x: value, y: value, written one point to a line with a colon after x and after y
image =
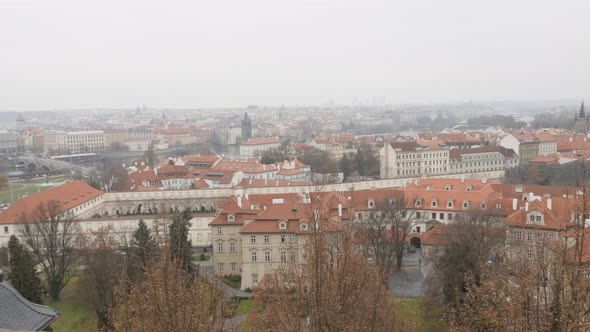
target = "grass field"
x: 417, y: 315
x: 23, y: 188
x: 76, y: 314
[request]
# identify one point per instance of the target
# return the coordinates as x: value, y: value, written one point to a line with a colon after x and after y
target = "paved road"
x: 408, y: 282
x: 206, y: 270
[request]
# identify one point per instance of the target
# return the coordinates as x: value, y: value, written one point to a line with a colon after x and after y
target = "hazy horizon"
x: 67, y: 54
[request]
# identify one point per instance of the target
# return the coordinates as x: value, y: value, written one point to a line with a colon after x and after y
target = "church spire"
x: 582, y: 114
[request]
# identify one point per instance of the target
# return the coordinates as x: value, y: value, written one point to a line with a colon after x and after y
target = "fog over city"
x: 69, y: 54
x: 413, y: 166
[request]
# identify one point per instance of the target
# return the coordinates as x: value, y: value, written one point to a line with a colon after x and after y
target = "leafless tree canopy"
x: 384, y: 236
x: 167, y: 299
x: 51, y: 237
x: 332, y: 289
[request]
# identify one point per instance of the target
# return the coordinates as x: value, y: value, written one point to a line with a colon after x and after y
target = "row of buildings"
x: 254, y: 235
x: 212, y: 171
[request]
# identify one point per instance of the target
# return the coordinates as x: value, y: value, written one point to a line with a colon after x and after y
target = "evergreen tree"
x: 180, y: 246
x: 143, y: 249
x: 23, y: 275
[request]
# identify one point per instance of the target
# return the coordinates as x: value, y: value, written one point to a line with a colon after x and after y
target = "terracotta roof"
x: 251, y: 166
x: 456, y: 153
x: 405, y: 146
x: 262, y: 140
x: 545, y: 137
x: 557, y: 218
x: 432, y: 144
x: 549, y: 159
x: 261, y: 183
x: 435, y: 236
x: 211, y: 159
x: 69, y: 195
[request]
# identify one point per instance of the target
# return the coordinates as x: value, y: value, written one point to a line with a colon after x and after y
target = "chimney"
x: 526, y: 207
x: 462, y: 178
x: 484, y: 180
x: 240, y: 201
x: 246, y: 196
x: 549, y: 203
x: 514, y: 204
x: 339, y: 210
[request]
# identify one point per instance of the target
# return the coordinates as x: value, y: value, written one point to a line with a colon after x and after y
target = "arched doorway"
x: 415, y: 242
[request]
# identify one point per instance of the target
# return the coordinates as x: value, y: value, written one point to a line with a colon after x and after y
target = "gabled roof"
x: 557, y: 218
x: 69, y: 195
x: 17, y: 313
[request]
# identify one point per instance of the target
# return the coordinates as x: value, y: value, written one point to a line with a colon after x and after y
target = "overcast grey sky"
x: 121, y: 53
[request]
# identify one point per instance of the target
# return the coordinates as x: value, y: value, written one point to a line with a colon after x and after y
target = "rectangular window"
x: 253, y: 255
x: 283, y: 256
x: 529, y: 236
x: 529, y: 254
x: 218, y: 230
x: 292, y: 238
x: 254, y: 278
x: 519, y: 236
x: 418, y: 215
x: 267, y: 256
x: 252, y: 238
x: 538, y: 218
x: 233, y: 267
x: 232, y: 247
x: 531, y: 218
x: 283, y: 238
x: 5, y: 229
x: 266, y: 239
x: 433, y: 215
x: 450, y: 216
x: 220, y: 267
x: 220, y: 247
x: 441, y: 216
x: 292, y: 256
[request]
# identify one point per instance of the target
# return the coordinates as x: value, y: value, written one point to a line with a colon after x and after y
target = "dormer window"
x: 231, y: 217
x: 303, y: 227
x: 469, y: 188
x: 418, y: 203
x: 371, y: 203
x: 450, y: 204
x: 465, y: 204
x: 282, y: 225
x: 498, y: 206
x: 433, y: 203
x: 447, y: 187
x: 535, y: 217
x: 525, y: 198
x: 484, y: 205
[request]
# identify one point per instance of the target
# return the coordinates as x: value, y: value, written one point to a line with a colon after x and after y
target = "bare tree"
x: 51, y: 235
x: 104, y: 267
x: 384, y: 236
x: 330, y: 287
x: 473, y: 240
x: 167, y: 299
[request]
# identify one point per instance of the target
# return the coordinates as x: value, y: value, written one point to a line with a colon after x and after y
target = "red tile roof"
x: 69, y: 195
x: 262, y: 141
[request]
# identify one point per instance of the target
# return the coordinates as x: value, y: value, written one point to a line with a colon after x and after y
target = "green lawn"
x: 418, y: 315
x: 244, y: 307
x: 76, y: 313
x: 21, y: 188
